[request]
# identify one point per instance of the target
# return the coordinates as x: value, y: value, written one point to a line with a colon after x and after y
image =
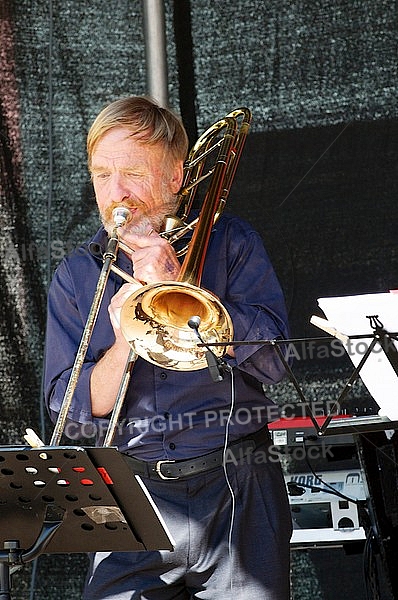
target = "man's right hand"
x: 116, y: 304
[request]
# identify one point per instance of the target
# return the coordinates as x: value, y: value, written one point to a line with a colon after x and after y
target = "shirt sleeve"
x: 63, y: 336
x: 255, y: 302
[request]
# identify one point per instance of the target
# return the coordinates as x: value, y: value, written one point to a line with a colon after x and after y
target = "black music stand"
x: 331, y: 425
x: 379, y: 336
x: 72, y: 499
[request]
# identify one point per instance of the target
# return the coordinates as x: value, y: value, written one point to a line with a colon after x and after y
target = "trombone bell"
x: 154, y: 321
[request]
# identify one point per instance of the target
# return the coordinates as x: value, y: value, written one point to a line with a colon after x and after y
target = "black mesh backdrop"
x: 21, y: 296
x: 300, y: 63
x: 318, y: 175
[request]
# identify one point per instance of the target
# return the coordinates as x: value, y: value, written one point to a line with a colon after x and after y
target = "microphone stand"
x: 216, y: 365
x: 275, y: 343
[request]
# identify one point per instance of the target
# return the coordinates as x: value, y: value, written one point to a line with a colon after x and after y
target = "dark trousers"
x: 225, y: 548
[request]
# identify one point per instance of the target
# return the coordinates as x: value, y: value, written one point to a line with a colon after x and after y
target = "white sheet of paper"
x: 348, y: 314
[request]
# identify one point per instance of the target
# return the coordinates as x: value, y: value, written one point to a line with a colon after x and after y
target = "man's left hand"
x: 153, y: 258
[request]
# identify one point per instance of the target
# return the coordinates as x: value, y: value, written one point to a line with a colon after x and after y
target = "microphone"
x: 194, y: 323
x: 216, y: 365
x: 121, y: 215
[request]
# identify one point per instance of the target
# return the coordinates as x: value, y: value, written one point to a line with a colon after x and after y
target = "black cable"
x: 372, y: 588
x: 327, y: 490
x: 369, y: 566
x: 327, y: 485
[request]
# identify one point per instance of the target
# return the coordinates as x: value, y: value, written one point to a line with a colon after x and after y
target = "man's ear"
x: 176, y: 180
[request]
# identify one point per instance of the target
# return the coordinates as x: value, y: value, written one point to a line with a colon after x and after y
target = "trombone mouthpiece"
x: 121, y: 215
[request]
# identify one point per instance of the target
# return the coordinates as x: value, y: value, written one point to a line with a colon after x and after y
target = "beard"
x: 142, y: 220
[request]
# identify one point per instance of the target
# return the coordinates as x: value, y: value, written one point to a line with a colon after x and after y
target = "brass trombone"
x: 155, y: 318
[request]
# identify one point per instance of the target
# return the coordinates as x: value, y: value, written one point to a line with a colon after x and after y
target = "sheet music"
x: 348, y: 314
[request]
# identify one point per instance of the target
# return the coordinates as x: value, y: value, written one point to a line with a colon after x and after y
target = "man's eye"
x: 102, y: 175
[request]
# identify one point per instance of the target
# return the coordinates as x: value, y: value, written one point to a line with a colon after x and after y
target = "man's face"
x: 126, y: 171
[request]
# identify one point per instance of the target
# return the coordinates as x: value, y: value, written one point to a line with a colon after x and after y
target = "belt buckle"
x: 158, y: 469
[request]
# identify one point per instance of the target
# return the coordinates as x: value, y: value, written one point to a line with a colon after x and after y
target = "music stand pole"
x: 5, y: 576
x: 14, y: 555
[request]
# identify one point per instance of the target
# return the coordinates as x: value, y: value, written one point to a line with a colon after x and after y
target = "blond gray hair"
x: 141, y: 115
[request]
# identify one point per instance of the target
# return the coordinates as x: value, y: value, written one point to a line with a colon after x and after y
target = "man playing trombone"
x: 197, y: 436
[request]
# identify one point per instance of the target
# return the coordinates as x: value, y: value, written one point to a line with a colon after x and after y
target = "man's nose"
x: 119, y: 191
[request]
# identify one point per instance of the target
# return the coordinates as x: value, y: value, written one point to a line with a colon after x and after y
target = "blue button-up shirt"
x: 171, y: 414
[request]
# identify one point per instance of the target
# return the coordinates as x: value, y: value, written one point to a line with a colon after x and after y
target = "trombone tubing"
x: 109, y: 258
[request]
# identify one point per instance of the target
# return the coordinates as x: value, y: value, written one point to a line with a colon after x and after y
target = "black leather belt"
x: 177, y: 469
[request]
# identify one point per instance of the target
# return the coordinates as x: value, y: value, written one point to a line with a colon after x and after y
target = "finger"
x: 125, y: 292
x: 135, y: 241
x: 114, y: 316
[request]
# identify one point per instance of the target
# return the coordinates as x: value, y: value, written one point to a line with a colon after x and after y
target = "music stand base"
x: 5, y: 582
x: 10, y: 556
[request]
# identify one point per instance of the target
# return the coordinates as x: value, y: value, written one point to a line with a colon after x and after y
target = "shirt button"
x: 172, y: 446
x: 167, y: 416
x: 163, y: 376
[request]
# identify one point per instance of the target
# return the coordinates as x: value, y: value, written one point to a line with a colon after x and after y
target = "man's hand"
x: 107, y: 373
x: 153, y: 258
x: 115, y: 307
